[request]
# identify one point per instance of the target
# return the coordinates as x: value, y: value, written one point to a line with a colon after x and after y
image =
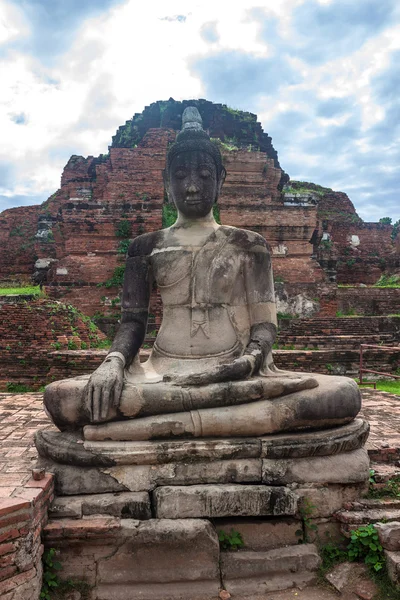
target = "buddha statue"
x: 211, y: 371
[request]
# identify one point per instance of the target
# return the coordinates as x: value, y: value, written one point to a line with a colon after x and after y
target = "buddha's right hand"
x: 240, y: 368
x: 104, y: 388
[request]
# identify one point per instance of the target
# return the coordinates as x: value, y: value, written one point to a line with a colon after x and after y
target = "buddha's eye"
x: 180, y: 174
x: 205, y: 173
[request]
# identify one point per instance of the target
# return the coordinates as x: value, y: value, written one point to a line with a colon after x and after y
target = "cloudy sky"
x: 322, y: 75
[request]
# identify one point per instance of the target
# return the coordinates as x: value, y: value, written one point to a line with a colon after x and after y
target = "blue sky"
x: 322, y: 75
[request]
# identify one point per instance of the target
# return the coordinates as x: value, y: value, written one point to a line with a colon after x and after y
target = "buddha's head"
x: 194, y: 173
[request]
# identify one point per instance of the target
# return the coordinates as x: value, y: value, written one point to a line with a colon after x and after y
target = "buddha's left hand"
x: 240, y: 368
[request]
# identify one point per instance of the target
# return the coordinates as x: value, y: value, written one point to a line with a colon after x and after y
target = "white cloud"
x: 135, y: 53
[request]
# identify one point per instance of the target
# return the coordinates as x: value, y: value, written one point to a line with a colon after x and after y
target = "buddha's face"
x: 193, y: 183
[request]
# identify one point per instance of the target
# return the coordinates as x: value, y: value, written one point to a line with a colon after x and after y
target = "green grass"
x: 389, y: 385
x: 385, y: 385
x: 24, y: 291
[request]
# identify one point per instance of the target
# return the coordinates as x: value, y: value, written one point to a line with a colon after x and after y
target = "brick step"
x: 246, y: 573
x: 332, y: 341
x: 365, y: 516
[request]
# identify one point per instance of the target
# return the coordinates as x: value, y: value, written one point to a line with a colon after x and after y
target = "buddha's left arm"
x: 261, y: 304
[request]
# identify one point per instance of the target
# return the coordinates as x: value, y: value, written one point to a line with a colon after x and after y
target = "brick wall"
x: 22, y: 519
x: 30, y: 330
x: 369, y: 300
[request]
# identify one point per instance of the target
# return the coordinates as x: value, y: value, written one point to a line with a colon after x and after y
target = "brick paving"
x: 22, y: 414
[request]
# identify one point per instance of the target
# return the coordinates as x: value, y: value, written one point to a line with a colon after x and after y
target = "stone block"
x: 213, y: 501
x: 253, y: 573
x: 389, y: 535
x: 127, y: 505
x: 154, y: 452
x: 262, y: 534
x: 327, y: 500
x: 71, y: 480
x: 393, y: 565
x: 327, y: 531
x: 163, y: 559
x: 69, y: 507
x: 335, y: 440
x: 351, y: 467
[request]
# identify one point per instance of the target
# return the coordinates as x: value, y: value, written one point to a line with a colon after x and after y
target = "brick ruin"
x: 81, y: 232
x: 33, y: 335
x: 316, y: 236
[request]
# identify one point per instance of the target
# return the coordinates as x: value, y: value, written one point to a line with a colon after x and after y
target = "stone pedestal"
x: 143, y: 518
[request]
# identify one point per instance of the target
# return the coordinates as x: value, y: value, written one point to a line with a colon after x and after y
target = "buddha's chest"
x: 197, y: 276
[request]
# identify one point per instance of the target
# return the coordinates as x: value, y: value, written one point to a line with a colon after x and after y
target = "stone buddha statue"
x: 211, y: 371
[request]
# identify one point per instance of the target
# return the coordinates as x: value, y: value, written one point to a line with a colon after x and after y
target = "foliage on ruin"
x: 230, y: 541
x: 117, y: 278
x: 388, y: 281
x: 123, y: 229
x: 28, y: 290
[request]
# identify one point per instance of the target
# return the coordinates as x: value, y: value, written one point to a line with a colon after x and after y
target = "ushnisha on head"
x: 194, y: 174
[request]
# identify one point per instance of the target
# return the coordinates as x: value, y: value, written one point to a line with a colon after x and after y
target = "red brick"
x: 10, y: 505
x: 6, y: 548
x: 19, y: 518
x: 9, y: 535
x: 7, y: 572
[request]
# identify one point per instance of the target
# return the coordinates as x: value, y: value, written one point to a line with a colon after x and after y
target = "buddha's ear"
x: 221, y: 179
x: 166, y: 180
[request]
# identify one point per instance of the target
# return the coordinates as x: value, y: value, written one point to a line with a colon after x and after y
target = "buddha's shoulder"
x: 144, y: 244
x: 245, y: 239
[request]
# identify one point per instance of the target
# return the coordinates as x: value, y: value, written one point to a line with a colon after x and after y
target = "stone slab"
x: 126, y: 558
x: 252, y: 573
x: 260, y: 534
x: 71, y: 448
x: 351, y: 467
x: 335, y: 440
x: 214, y: 501
x: 177, y: 555
x: 326, y: 500
x: 393, y: 565
x: 389, y: 535
x: 71, y: 480
x: 152, y: 453
x: 126, y: 505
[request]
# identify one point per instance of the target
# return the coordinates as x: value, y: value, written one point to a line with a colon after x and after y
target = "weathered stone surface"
x: 69, y: 507
x: 354, y: 517
x: 328, y: 499
x: 180, y: 556
x: 393, y: 565
x: 251, y: 573
x: 262, y: 534
x: 389, y: 535
x: 128, y: 505
x: 72, y: 480
x: 345, y: 575
x: 223, y: 501
x: 153, y: 452
x: 220, y: 471
x: 327, y: 531
x: 345, y: 438
x: 351, y: 467
x: 67, y: 448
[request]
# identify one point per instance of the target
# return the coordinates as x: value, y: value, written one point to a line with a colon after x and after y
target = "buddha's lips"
x: 193, y: 201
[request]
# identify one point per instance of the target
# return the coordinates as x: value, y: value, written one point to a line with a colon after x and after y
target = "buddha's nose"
x: 192, y: 188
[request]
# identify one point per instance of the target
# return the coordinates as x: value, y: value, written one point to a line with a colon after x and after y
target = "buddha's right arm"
x: 135, y: 306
